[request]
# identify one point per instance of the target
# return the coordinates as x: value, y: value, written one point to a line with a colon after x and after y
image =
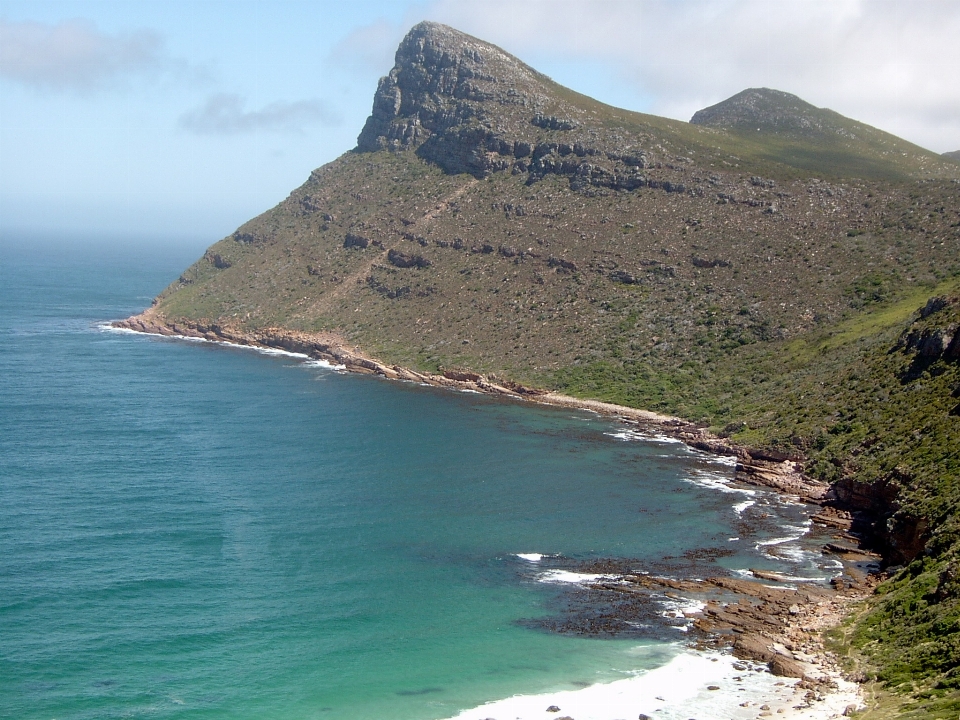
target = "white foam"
x: 633, y: 434
x: 324, y: 364
x: 567, y: 577
x: 796, y: 532
x: 778, y: 576
x: 108, y: 327
x: 776, y: 541
x: 728, y: 460
x: 683, y: 606
x: 644, y: 436
x: 681, y: 609
x: 274, y: 351
x: 531, y: 557
x: 789, y: 501
x: 714, y: 481
x: 741, y: 506
x: 675, y: 691
x: 793, y: 552
x: 307, y: 360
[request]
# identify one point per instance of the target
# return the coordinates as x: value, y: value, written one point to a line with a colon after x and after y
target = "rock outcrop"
x: 932, y: 340
x: 437, y: 99
x: 470, y: 107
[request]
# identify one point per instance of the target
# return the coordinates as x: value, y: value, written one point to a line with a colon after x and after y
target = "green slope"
x: 786, y: 129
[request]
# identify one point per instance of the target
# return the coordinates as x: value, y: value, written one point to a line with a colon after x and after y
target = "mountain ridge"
x: 437, y: 98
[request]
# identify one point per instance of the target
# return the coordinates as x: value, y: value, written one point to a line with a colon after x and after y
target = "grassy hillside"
x: 767, y: 283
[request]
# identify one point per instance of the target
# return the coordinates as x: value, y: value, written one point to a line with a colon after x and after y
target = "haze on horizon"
x: 181, y: 120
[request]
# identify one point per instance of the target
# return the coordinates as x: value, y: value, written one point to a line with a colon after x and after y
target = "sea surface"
x: 192, y: 530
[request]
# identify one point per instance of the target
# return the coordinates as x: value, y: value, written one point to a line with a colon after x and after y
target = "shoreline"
x: 693, y: 684
x: 762, y: 468
x: 820, y: 692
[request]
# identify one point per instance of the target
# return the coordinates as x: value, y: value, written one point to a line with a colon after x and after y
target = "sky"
x: 179, y: 120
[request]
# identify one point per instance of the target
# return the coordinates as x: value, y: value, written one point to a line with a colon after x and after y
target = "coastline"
x: 762, y: 468
x: 820, y: 692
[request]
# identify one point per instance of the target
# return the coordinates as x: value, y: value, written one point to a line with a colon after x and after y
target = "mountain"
x: 529, y: 229
x: 776, y: 272
x: 815, y: 139
x: 955, y: 155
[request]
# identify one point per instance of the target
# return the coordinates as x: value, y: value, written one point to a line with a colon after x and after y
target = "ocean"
x: 192, y: 530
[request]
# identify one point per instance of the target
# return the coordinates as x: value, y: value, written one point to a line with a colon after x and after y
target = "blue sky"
x: 180, y: 120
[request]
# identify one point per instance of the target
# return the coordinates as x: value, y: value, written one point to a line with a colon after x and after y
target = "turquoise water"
x: 191, y: 530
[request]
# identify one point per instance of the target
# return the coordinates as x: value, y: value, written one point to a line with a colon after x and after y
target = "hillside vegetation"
x: 775, y: 271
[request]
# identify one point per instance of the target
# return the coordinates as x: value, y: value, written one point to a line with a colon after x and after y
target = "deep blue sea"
x: 190, y: 530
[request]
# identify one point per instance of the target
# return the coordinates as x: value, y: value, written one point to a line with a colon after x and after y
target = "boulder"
x: 353, y: 240
x: 403, y: 260
x: 782, y: 666
x: 753, y: 647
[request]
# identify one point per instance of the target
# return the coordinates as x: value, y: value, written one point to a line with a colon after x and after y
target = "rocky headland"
x: 771, y: 281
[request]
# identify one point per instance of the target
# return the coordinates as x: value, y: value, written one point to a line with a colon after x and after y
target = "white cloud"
x: 888, y: 63
x: 74, y: 55
x: 224, y: 114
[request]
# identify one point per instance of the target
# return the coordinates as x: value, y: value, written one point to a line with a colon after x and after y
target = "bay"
x: 194, y: 530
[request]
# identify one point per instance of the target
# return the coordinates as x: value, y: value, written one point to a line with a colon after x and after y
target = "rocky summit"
x: 774, y: 272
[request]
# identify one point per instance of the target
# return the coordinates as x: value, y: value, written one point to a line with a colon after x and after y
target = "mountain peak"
x: 818, y: 139
x: 437, y: 33
x: 442, y: 80
x: 467, y: 106
x: 762, y: 109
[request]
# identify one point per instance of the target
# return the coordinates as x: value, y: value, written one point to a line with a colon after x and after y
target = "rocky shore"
x: 768, y: 624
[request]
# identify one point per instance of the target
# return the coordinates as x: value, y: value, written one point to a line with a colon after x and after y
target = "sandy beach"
x: 700, y: 685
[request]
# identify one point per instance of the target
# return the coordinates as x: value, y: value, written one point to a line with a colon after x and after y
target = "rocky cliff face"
x: 471, y: 108
x: 935, y: 334
x: 460, y: 102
